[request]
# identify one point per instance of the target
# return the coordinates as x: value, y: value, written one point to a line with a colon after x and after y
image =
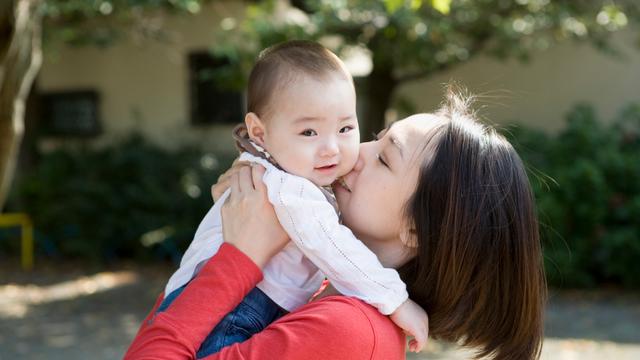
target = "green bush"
x: 126, y: 201
x: 103, y: 204
x: 587, y: 184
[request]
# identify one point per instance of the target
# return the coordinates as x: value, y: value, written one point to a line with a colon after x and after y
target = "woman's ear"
x: 255, y: 128
x: 409, y: 237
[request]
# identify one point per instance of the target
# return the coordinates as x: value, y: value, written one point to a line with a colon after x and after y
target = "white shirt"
x: 320, y: 247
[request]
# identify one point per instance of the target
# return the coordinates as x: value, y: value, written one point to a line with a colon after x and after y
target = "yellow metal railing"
x: 22, y: 220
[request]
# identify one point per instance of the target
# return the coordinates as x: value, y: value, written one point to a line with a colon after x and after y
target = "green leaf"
x: 443, y: 6
x: 393, y: 5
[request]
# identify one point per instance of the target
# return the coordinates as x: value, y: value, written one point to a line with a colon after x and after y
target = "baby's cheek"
x: 351, y: 157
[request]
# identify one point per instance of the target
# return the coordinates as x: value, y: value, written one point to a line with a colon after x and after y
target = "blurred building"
x: 98, y: 95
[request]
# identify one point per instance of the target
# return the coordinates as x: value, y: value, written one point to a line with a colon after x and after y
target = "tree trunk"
x: 20, y: 60
x: 376, y: 91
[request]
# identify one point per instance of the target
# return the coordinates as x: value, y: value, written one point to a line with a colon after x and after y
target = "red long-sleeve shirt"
x: 334, y: 327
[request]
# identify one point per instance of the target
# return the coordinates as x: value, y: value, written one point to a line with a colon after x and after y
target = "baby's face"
x: 312, y: 130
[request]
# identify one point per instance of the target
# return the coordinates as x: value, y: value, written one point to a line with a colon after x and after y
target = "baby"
x: 302, y: 127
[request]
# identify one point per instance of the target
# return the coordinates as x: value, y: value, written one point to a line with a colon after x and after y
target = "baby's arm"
x: 354, y: 270
x: 313, y: 225
x: 205, y: 244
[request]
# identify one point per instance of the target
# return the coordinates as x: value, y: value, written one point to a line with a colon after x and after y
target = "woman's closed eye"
x: 308, y: 132
x: 376, y: 137
x: 382, y: 161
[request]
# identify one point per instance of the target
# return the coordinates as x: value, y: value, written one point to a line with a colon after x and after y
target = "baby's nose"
x: 330, y: 148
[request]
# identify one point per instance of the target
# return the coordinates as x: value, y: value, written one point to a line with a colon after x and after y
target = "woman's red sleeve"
x: 178, y: 332
x: 336, y: 327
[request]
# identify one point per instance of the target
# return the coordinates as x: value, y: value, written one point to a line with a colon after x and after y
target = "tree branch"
x: 18, y: 68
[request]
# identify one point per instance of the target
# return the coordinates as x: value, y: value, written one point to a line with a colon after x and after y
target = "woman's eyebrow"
x: 383, y: 131
x: 393, y: 139
x: 397, y: 145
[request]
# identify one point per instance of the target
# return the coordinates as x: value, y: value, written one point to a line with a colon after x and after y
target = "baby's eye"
x: 346, y: 129
x: 309, y: 132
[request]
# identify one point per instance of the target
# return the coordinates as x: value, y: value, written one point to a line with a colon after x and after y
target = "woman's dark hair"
x: 478, y: 271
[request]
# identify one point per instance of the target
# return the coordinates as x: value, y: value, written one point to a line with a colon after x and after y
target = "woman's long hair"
x: 478, y: 271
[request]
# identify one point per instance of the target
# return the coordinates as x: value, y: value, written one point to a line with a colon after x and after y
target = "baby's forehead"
x: 313, y: 99
x: 296, y: 80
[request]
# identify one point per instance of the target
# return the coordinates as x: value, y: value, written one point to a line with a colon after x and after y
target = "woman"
x: 439, y: 197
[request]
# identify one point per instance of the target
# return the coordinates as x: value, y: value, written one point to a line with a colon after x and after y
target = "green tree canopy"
x: 405, y: 39
x: 103, y: 22
x: 414, y: 39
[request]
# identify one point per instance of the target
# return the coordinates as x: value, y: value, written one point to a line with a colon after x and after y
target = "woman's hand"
x: 223, y: 183
x: 248, y: 219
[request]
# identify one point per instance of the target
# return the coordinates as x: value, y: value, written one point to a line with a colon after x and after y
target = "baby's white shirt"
x: 320, y: 246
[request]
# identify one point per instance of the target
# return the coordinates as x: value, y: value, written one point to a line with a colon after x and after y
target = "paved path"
x: 63, y: 312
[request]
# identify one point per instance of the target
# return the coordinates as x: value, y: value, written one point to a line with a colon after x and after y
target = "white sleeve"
x: 205, y: 244
x: 312, y: 223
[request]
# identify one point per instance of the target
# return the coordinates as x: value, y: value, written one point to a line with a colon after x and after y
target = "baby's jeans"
x: 251, y: 316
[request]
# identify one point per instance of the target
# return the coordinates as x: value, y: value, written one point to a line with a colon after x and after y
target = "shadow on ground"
x: 67, y: 312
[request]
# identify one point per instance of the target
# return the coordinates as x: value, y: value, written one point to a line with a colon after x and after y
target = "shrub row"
x: 133, y: 200
x: 587, y: 184
x: 130, y: 200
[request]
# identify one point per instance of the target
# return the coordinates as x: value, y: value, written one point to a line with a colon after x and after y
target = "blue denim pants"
x: 251, y: 316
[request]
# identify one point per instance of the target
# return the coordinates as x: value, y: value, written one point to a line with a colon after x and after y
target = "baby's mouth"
x: 327, y: 167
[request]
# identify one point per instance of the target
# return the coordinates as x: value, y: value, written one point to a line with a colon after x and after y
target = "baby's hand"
x: 411, y: 318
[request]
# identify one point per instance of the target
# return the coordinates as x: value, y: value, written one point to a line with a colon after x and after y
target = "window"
x: 71, y: 113
x: 211, y: 104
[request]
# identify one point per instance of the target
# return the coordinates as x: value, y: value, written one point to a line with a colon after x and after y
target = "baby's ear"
x: 255, y: 128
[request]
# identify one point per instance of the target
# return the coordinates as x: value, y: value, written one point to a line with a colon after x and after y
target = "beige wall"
x: 145, y: 86
x: 541, y: 92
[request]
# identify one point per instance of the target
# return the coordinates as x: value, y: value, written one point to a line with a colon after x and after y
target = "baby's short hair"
x: 280, y: 64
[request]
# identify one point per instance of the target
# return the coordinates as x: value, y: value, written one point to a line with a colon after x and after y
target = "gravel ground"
x: 67, y: 312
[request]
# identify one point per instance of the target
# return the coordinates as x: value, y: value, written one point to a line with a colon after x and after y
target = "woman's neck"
x: 392, y: 254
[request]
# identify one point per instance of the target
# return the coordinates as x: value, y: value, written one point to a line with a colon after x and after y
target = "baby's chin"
x: 319, y: 180
x: 324, y: 182
x: 329, y: 183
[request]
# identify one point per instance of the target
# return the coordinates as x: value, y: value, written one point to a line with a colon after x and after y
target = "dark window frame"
x: 210, y: 105
x: 53, y: 105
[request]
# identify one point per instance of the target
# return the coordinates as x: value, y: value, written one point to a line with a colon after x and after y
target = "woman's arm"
x: 226, y: 279
x: 336, y: 327
x: 178, y: 332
